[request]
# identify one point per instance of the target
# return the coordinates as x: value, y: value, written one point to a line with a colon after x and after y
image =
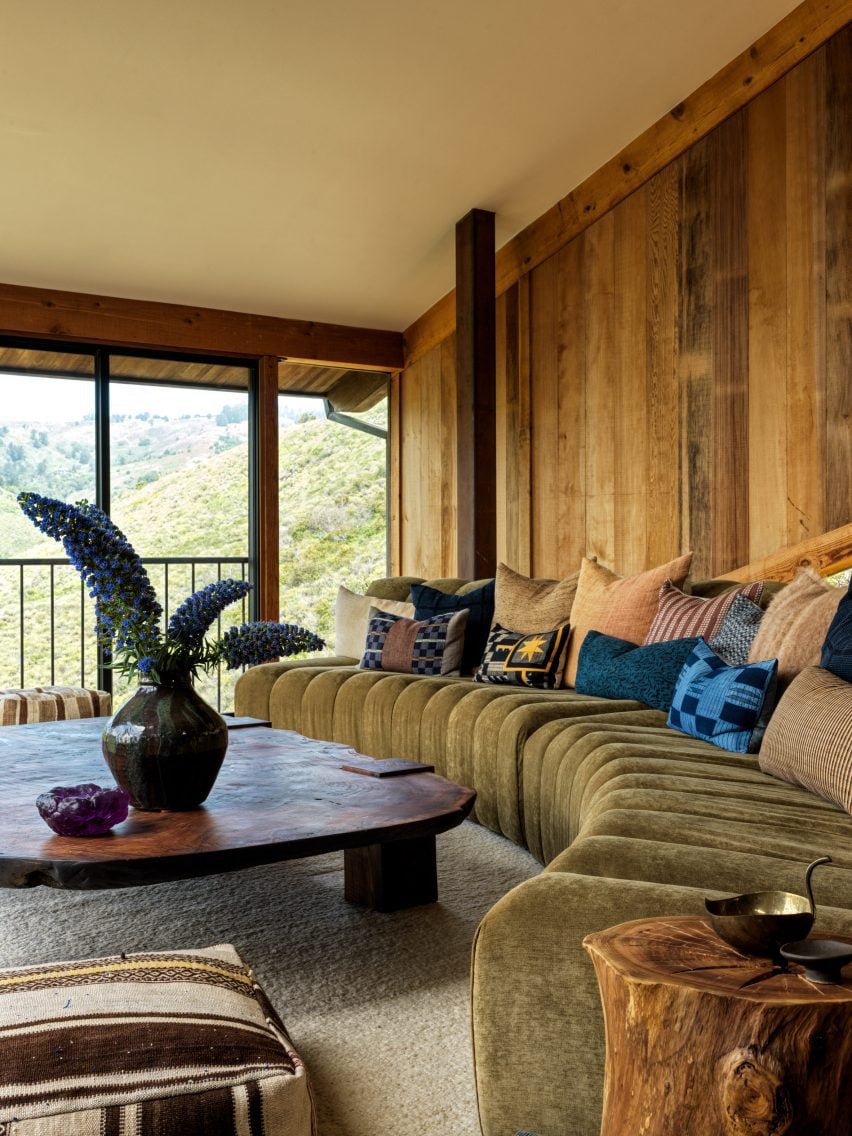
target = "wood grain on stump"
x: 705, y: 1041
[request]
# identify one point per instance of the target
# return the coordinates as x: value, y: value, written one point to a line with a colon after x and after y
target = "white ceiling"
x: 309, y: 158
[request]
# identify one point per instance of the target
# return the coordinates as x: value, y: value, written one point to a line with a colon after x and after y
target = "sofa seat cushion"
x: 164, y: 1042
x: 254, y: 687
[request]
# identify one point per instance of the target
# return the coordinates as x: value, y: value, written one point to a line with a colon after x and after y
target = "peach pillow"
x: 795, y: 625
x: 616, y: 605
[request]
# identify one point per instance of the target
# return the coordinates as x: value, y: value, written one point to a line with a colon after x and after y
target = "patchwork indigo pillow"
x: 409, y: 646
x: 617, y: 668
x: 525, y: 660
x: 837, y: 649
x: 726, y: 706
x: 737, y: 633
x: 429, y: 602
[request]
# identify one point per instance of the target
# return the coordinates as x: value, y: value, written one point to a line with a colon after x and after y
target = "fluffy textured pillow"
x: 738, y: 631
x: 726, y: 706
x: 680, y: 616
x: 479, y: 602
x: 537, y: 659
x: 837, y: 648
x: 809, y: 740
x: 525, y: 605
x: 410, y: 646
x: 795, y: 625
x: 615, y: 668
x: 351, y: 616
x: 615, y: 605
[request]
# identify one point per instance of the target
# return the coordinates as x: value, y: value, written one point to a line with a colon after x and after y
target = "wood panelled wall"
x: 680, y: 374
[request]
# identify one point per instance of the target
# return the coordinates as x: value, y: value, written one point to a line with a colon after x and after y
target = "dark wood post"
x: 476, y: 460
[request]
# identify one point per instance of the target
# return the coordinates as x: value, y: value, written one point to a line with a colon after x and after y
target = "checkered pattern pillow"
x: 726, y: 706
x: 423, y: 647
x: 738, y: 630
x: 525, y: 660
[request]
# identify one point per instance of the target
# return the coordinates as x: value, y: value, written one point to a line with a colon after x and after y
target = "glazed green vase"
x: 165, y: 746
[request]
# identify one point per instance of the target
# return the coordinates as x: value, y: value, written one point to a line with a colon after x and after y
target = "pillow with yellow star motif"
x: 536, y: 659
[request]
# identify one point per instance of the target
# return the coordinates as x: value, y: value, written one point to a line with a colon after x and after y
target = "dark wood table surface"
x: 279, y: 796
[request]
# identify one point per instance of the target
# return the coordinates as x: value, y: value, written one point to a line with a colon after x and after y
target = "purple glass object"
x: 83, y: 810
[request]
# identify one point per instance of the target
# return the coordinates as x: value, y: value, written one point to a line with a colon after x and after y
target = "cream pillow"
x: 616, y: 605
x: 352, y: 615
x: 530, y: 606
x: 795, y: 625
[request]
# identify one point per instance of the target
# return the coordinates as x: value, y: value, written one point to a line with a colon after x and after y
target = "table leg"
x: 387, y: 877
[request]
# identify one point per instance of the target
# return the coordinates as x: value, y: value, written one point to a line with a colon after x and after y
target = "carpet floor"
x: 377, y: 1005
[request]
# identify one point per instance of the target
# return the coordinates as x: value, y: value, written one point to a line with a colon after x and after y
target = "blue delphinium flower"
x: 258, y: 642
x: 197, y: 614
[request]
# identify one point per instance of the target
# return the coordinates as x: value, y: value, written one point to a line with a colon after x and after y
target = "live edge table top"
x: 279, y: 796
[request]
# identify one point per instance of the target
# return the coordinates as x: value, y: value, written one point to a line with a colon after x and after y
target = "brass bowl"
x: 760, y: 922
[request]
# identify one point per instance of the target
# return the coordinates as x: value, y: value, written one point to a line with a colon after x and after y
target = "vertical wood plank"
x: 571, y: 408
x: 514, y: 428
x: 268, y: 571
x: 767, y: 315
x: 502, y: 397
x: 730, y: 349
x: 837, y: 478
x: 544, y: 433
x: 445, y: 465
x: 601, y: 389
x: 395, y: 484
x: 805, y: 186
x: 662, y: 533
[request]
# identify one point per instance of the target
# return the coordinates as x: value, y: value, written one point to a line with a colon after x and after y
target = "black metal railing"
x: 44, y: 638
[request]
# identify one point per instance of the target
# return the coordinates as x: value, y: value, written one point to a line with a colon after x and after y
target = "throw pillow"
x: 837, y: 648
x: 424, y: 647
x: 809, y: 740
x: 679, y: 615
x: 726, y: 706
x: 537, y: 659
x: 616, y: 668
x: 736, y: 635
x: 623, y: 607
x: 795, y: 625
x: 525, y: 605
x: 351, y: 616
x: 479, y: 602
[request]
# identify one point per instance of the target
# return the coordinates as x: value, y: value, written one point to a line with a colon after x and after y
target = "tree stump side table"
x: 703, y: 1040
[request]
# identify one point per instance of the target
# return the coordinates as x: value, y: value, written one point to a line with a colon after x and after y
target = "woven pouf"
x: 155, y: 1044
x: 52, y: 704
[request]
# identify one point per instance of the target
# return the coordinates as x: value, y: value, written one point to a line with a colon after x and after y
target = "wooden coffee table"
x: 279, y: 796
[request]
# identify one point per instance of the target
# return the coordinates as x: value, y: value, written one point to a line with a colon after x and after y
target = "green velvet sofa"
x: 629, y: 818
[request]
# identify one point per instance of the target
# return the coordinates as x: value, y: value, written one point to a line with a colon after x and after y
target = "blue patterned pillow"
x: 616, y: 668
x: 726, y: 706
x: 732, y: 642
x: 837, y: 649
x: 411, y: 646
x: 480, y: 611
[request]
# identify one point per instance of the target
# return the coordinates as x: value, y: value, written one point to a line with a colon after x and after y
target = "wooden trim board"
x: 828, y: 553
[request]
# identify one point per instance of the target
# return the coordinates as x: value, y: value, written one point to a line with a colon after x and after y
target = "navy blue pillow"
x: 837, y: 649
x: 615, y: 668
x: 429, y: 602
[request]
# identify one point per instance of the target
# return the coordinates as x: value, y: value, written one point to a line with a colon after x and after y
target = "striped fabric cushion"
x: 52, y: 704
x: 683, y: 617
x: 166, y: 1042
x: 809, y: 739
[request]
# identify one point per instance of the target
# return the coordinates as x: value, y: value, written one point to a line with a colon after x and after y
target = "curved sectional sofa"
x: 629, y: 818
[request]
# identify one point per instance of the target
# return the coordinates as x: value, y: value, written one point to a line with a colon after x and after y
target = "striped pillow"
x: 181, y: 1041
x: 52, y: 704
x: 809, y: 739
x: 690, y: 617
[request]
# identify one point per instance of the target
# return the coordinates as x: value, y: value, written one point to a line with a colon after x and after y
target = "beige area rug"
x: 377, y: 1004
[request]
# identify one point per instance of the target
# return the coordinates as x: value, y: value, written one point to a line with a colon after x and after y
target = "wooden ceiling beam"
x: 83, y: 318
x: 797, y: 36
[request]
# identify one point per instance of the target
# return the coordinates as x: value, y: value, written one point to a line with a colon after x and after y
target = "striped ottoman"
x: 52, y: 704
x: 160, y: 1044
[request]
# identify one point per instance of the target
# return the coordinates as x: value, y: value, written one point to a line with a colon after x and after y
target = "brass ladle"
x: 760, y: 922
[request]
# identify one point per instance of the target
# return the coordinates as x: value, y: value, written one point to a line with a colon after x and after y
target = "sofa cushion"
x: 727, y: 706
x: 809, y: 739
x: 679, y: 616
x: 795, y: 625
x: 526, y: 605
x: 739, y: 627
x: 837, y: 649
x: 351, y: 616
x: 52, y: 704
x: 414, y: 646
x: 479, y: 602
x: 615, y: 605
x: 536, y: 659
x: 616, y: 668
